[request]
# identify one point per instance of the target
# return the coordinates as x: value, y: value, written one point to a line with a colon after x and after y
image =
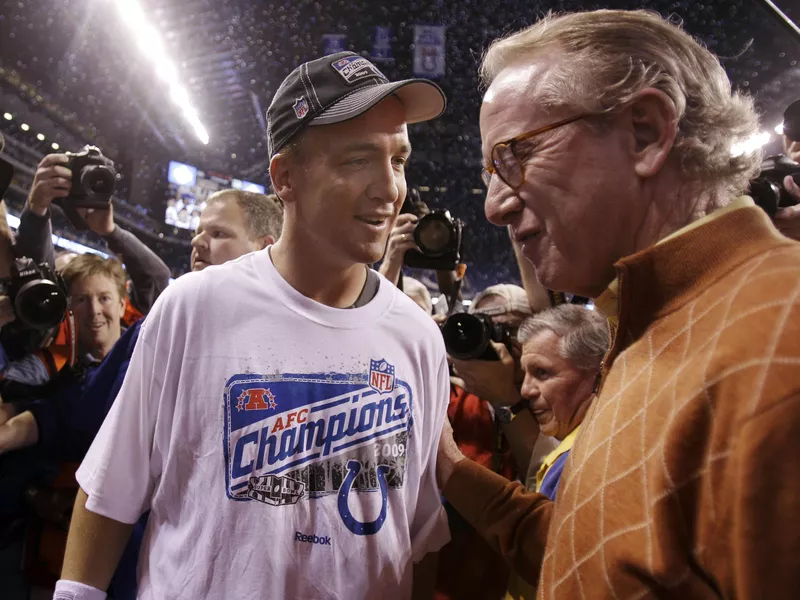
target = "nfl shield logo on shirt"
x: 300, y: 107
x: 381, y: 376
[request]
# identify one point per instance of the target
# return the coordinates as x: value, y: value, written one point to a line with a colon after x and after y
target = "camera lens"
x: 97, y: 180
x: 433, y: 234
x: 465, y: 336
x: 40, y: 304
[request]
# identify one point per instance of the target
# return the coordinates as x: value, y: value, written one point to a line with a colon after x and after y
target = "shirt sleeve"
x: 429, y: 529
x: 514, y: 522
x: 124, y: 464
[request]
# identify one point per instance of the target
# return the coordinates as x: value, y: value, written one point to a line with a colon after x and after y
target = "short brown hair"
x: 263, y: 213
x: 86, y: 265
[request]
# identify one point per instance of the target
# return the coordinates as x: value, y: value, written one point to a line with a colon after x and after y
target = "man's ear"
x: 280, y: 172
x: 265, y: 241
x: 653, y: 123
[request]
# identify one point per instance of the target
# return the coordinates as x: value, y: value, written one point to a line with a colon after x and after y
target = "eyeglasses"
x: 505, y: 161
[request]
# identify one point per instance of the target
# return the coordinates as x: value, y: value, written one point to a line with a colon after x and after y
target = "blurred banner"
x: 429, y: 50
x: 382, y: 45
x: 333, y: 43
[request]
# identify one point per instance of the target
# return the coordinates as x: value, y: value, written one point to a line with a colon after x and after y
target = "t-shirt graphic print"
x: 299, y: 437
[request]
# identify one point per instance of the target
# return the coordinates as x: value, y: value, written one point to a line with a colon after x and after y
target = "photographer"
x: 402, y: 248
x: 53, y: 179
x: 787, y: 220
x: 96, y: 295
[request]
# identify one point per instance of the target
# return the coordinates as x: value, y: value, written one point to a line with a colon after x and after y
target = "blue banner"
x: 429, y: 59
x: 382, y: 45
x: 333, y: 43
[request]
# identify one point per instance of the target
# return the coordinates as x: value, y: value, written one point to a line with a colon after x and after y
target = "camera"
x: 468, y: 336
x: 93, y: 179
x: 767, y: 189
x: 37, y: 294
x: 438, y: 236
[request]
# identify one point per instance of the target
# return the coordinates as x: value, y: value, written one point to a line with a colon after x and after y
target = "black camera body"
x: 93, y: 179
x: 437, y: 234
x: 767, y: 190
x: 468, y: 337
x: 37, y: 294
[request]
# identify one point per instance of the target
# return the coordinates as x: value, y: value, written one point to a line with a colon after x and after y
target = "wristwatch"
x: 506, y: 414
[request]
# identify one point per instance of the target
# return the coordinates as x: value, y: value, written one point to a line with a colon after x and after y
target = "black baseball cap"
x: 340, y: 87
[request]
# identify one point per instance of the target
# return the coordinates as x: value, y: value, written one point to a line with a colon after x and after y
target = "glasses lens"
x: 487, y: 178
x: 507, y: 165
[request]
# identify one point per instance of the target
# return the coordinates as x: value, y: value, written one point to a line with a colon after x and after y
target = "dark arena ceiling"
x: 77, y: 62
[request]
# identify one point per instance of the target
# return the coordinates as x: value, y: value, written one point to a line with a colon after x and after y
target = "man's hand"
x: 491, y: 380
x: 787, y: 220
x: 19, y: 431
x: 99, y: 220
x: 52, y: 180
x: 447, y: 456
x: 401, y: 240
x: 7, y: 314
x: 7, y: 412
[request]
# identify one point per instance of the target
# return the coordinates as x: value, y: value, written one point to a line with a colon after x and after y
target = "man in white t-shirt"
x: 281, y: 412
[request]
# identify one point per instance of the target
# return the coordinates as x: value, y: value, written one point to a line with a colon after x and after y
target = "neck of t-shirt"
x: 369, y: 289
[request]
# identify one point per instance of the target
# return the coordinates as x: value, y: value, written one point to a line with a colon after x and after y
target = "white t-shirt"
x: 286, y: 449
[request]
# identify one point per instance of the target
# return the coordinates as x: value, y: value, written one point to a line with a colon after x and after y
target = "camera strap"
x: 72, y: 214
x: 453, y: 297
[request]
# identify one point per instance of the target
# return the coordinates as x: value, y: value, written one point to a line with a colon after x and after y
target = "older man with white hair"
x: 606, y: 141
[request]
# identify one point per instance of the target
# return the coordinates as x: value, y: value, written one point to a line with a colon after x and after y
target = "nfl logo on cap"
x: 300, y: 107
x: 381, y: 376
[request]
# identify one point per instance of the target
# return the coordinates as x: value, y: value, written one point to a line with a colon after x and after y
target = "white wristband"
x: 74, y: 590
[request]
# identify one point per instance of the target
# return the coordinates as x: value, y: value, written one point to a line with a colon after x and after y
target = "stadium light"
x: 779, y: 128
x: 54, y: 146
x: 40, y: 137
x: 24, y: 127
x: 751, y: 144
x: 152, y: 47
x: 8, y: 116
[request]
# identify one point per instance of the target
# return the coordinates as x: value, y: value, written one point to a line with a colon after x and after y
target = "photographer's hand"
x: 491, y: 380
x: 787, y: 220
x: 99, y: 220
x: 401, y: 240
x: 52, y: 180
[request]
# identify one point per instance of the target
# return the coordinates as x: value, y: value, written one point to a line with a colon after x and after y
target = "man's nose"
x: 501, y: 202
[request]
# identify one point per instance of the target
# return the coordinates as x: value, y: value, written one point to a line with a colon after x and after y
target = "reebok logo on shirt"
x: 312, y: 539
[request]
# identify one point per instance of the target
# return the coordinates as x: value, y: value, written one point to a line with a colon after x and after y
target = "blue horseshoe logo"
x: 353, y: 524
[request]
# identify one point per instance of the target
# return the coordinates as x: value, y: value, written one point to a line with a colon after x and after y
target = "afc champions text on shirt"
x: 293, y: 438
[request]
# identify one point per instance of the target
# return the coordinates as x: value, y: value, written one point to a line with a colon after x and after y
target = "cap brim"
x: 422, y: 99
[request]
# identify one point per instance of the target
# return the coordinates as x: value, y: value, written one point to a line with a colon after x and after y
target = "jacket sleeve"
x: 515, y: 522
x: 35, y: 238
x: 148, y: 273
